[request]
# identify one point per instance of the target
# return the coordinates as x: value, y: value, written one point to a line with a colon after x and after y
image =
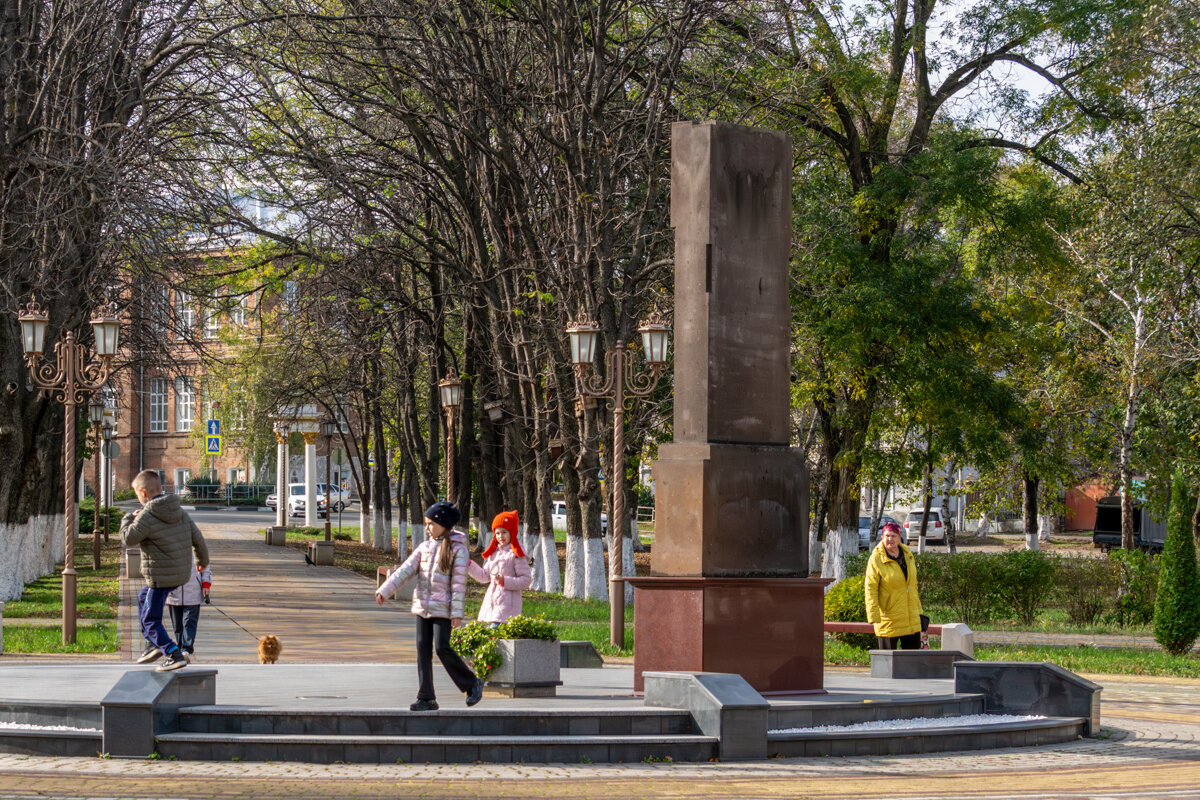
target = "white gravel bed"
x: 24, y: 726
x: 916, y: 722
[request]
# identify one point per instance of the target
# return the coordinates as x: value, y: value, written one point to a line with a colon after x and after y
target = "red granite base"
x: 768, y: 630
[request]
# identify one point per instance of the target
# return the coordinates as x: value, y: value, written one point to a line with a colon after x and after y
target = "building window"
x: 158, y: 405
x: 211, y: 321
x: 185, y: 312
x: 185, y: 403
x: 240, y: 311
x: 159, y: 309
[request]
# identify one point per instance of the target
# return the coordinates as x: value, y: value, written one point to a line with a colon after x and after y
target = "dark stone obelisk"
x: 730, y: 591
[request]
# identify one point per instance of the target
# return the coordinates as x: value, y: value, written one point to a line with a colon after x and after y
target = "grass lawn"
x: 97, y: 593
x: 98, y: 638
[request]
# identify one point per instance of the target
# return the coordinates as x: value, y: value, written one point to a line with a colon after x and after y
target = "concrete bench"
x: 900, y: 664
x: 866, y: 627
x: 579, y: 655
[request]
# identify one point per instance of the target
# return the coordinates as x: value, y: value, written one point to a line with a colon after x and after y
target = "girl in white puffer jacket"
x: 440, y: 564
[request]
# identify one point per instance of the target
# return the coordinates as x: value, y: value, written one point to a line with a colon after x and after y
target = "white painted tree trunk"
x: 628, y: 565
x: 381, y: 532
x: 839, y: 543
x: 1031, y: 542
x: 550, y: 575
x: 1045, y: 526
x: 575, y: 579
x: 485, y: 534
x: 596, y: 571
x: 533, y: 548
x: 985, y: 525
x: 402, y: 531
x: 364, y: 522
x: 814, y: 551
x: 418, y: 534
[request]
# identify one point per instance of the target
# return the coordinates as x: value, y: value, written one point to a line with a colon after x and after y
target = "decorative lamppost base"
x: 768, y: 630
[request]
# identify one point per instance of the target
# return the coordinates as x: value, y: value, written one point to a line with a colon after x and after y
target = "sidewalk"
x: 320, y: 614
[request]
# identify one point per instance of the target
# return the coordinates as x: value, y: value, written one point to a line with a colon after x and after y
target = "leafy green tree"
x: 1177, y: 602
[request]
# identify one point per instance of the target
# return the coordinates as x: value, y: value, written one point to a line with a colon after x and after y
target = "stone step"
x: 1050, y: 730
x: 49, y: 712
x: 41, y: 742
x: 809, y: 715
x: 383, y: 749
x: 446, y: 722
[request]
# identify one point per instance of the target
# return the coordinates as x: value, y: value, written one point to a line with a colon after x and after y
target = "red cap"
x: 507, y: 520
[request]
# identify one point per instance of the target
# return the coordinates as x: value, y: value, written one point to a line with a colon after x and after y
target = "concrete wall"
x: 29, y: 551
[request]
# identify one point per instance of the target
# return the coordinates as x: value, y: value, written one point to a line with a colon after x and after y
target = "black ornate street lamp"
x: 451, y: 390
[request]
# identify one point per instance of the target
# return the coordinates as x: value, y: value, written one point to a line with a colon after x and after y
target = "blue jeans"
x: 150, y: 611
x: 185, y: 619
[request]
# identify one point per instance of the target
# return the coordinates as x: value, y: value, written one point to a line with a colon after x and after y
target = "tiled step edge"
x: 40, y: 742
x: 1051, y: 730
x: 450, y: 722
x: 436, y: 749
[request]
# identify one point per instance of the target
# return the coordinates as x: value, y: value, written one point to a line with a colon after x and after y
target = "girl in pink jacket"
x: 440, y: 566
x: 507, y: 569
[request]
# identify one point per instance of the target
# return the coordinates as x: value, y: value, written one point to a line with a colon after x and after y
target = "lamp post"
x: 96, y: 418
x: 109, y: 424
x: 71, y: 376
x: 620, y: 379
x: 450, y: 389
x: 328, y: 429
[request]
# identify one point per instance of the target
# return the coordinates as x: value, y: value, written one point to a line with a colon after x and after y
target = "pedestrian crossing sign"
x: 213, y: 446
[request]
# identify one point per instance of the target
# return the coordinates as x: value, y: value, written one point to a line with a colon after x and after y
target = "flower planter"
x: 528, y: 668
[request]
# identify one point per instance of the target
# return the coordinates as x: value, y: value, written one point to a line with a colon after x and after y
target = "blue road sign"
x: 213, y: 446
x: 214, y: 427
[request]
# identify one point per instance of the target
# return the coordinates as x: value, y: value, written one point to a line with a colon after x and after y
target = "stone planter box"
x: 276, y: 536
x: 528, y: 668
x: 321, y: 553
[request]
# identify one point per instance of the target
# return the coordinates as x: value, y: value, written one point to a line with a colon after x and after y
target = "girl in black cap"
x: 440, y: 564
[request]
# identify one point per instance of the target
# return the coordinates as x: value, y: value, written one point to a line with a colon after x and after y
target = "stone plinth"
x: 276, y: 536
x: 727, y: 510
x: 133, y: 563
x: 768, y: 630
x: 321, y: 552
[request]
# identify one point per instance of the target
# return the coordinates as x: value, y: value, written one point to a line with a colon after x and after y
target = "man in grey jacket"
x: 167, y: 536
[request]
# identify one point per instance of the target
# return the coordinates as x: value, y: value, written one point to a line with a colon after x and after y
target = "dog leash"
x: 218, y: 609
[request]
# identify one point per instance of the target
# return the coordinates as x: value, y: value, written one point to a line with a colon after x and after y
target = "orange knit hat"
x: 507, y: 520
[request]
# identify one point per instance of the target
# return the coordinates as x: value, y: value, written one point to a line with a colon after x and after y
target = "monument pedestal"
x: 768, y: 630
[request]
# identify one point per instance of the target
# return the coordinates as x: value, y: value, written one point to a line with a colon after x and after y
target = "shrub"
x: 1023, y: 579
x: 476, y: 641
x: 1177, y: 601
x: 846, y: 601
x: 963, y: 582
x: 1138, y: 574
x: 1085, y: 587
x: 856, y: 563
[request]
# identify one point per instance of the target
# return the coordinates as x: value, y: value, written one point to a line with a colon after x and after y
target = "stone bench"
x: 901, y: 664
x: 579, y: 655
x: 954, y: 635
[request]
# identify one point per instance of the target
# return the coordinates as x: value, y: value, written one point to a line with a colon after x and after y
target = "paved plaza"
x: 340, y: 649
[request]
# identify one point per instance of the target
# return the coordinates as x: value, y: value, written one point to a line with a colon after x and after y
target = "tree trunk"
x: 947, y: 517
x: 842, y: 538
x: 529, y: 530
x: 817, y: 528
x: 927, y: 496
x: 1030, y: 511
x: 575, y: 573
x: 551, y: 578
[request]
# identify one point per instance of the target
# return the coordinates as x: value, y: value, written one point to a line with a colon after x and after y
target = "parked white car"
x: 297, y: 502
x: 935, y: 529
x: 558, y: 516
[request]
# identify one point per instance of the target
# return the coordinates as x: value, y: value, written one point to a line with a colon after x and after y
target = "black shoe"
x: 476, y: 693
x: 149, y: 654
x: 424, y: 705
x: 172, y: 661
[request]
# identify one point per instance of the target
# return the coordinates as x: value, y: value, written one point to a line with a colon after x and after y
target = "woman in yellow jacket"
x: 891, y: 587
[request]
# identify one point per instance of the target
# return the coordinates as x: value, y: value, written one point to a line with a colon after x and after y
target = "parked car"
x: 935, y: 529
x: 272, y: 501
x: 1148, y: 533
x: 864, y: 530
x: 297, y: 503
x: 558, y: 516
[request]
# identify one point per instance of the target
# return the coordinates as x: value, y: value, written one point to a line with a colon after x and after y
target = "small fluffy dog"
x: 268, y: 650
